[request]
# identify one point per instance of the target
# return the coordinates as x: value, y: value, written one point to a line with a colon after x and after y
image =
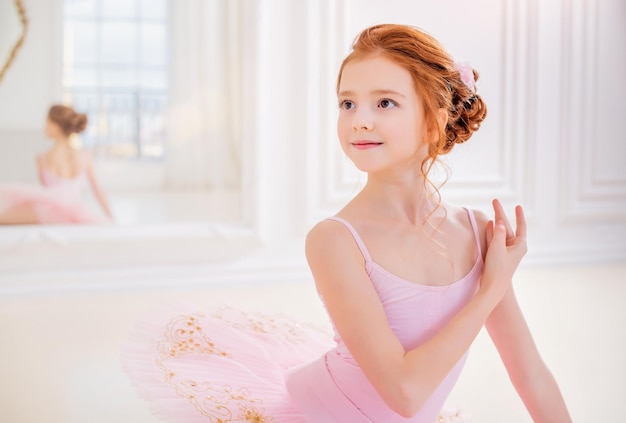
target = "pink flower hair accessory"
x: 467, y: 75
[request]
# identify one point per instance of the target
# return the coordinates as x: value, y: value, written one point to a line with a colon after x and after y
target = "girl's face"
x: 381, y: 117
x: 53, y: 130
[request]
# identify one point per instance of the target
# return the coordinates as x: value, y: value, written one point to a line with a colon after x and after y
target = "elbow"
x: 407, y: 408
x: 406, y: 389
x: 407, y: 401
x: 407, y: 411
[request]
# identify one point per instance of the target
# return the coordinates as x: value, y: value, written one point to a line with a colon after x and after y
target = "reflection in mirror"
x: 63, y: 172
x: 14, y: 25
x: 160, y: 83
x: 157, y: 81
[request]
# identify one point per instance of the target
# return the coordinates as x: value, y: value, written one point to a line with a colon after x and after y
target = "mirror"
x: 163, y: 117
x: 14, y: 25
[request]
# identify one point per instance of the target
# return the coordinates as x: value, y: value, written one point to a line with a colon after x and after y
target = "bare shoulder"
x: 85, y: 157
x: 40, y: 158
x: 336, y: 262
x: 460, y: 215
x: 330, y: 238
x: 481, y: 219
x: 86, y: 161
x: 45, y: 157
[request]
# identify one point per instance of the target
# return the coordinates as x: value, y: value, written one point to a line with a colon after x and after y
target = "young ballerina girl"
x: 408, y: 280
x: 63, y: 173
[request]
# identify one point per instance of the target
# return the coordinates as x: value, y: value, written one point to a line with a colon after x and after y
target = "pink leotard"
x: 229, y: 365
x: 334, y: 389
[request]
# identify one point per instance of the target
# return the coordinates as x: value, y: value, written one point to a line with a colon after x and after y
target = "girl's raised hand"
x: 505, y: 249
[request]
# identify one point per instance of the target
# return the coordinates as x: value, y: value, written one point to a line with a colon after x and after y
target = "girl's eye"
x: 346, y: 105
x: 386, y: 103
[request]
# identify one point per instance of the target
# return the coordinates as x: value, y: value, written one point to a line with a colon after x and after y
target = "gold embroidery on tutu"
x: 184, y: 335
x: 274, y: 325
x: 223, y: 404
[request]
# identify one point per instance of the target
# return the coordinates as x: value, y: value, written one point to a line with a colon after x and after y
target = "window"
x: 115, y: 70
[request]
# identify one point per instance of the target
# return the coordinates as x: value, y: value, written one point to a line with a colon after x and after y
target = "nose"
x: 362, y: 121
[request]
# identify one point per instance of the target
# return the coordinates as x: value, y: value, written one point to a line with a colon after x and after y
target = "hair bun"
x: 68, y: 120
x: 78, y: 122
x: 467, y: 111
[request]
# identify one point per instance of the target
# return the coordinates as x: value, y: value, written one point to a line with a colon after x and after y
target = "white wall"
x: 29, y: 86
x: 551, y: 73
x: 33, y: 81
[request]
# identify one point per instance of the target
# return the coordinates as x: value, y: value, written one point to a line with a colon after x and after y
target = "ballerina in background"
x: 63, y: 172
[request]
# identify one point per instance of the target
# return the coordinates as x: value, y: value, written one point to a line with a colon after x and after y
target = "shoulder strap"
x: 355, y: 235
x: 366, y: 254
x: 472, y: 219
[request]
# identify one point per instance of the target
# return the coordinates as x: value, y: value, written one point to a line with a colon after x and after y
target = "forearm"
x: 97, y: 192
x: 528, y: 372
x: 95, y: 187
x: 427, y: 365
x: 542, y: 397
x: 103, y: 203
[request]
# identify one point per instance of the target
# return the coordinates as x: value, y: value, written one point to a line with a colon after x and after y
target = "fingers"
x: 499, y: 234
x: 489, y: 232
x: 501, y: 218
x: 520, y: 223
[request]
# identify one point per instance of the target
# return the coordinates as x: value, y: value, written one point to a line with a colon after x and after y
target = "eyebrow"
x: 377, y: 92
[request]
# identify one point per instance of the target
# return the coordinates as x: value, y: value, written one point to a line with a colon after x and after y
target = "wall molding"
x: 332, y: 179
x: 586, y: 195
x: 559, y: 209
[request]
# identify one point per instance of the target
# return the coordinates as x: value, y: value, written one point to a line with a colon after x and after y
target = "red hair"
x: 436, y: 80
x: 68, y: 119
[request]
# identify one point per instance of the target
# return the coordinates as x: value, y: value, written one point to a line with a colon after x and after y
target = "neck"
x: 405, y: 199
x: 61, y: 142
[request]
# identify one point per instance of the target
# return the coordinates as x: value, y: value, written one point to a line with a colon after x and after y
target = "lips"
x: 365, y: 144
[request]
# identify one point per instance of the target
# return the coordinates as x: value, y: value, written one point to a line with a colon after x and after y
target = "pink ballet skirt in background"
x: 58, y: 201
x: 226, y: 365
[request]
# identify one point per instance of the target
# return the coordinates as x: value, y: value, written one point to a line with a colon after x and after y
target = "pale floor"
x: 59, y: 360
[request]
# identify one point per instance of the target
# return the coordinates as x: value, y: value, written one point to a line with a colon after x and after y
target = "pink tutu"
x: 224, y: 366
x: 52, y: 204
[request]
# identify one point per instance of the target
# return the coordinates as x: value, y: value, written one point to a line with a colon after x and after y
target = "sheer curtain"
x: 204, y: 118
